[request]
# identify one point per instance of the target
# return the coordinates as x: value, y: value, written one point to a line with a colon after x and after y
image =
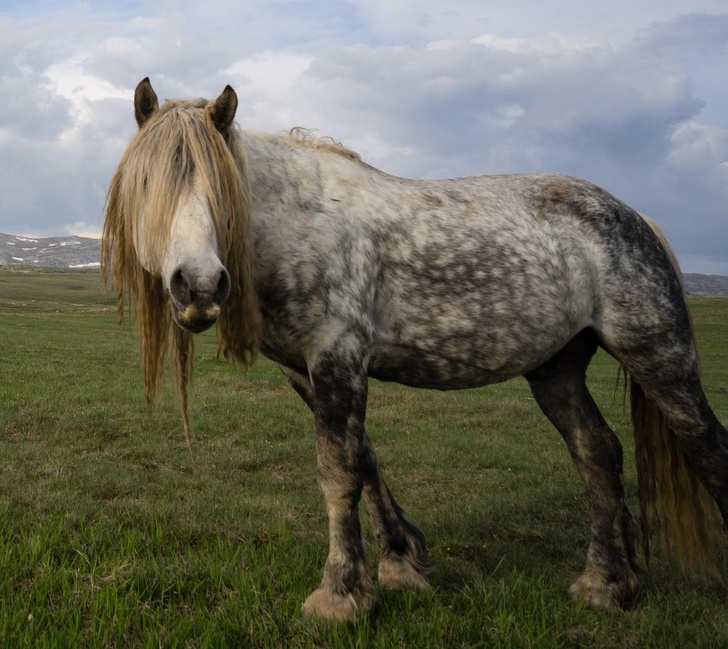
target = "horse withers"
x: 339, y: 272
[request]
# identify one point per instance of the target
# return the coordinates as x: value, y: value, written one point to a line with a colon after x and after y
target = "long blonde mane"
x: 183, y: 136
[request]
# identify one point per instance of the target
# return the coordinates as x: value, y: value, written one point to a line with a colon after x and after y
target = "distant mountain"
x: 54, y: 252
x: 706, y: 285
x: 82, y: 252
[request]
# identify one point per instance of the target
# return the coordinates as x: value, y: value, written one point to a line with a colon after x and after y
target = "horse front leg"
x: 338, y: 400
x: 404, y: 559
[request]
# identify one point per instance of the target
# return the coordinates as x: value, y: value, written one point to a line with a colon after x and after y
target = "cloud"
x: 503, y: 105
x: 268, y: 82
x: 696, y: 32
x: 628, y: 95
x: 422, y: 21
x: 693, y: 188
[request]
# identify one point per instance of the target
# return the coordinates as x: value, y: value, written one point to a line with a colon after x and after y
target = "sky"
x: 631, y: 95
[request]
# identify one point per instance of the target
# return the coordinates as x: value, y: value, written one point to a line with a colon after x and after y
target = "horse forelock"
x: 177, y: 146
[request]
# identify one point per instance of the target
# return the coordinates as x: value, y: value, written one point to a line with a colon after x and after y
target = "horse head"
x: 177, y: 239
x: 177, y: 234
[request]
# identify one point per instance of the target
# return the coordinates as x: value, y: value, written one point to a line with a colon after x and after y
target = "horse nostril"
x: 179, y: 287
x: 223, y: 287
x: 189, y: 287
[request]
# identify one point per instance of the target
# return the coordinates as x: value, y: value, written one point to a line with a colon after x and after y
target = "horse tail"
x: 660, y: 234
x: 669, y: 492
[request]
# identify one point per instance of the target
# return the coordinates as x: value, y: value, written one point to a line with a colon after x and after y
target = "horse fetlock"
x: 596, y: 589
x: 397, y: 573
x: 330, y: 605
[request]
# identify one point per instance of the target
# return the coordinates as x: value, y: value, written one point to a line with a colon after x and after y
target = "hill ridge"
x: 50, y: 252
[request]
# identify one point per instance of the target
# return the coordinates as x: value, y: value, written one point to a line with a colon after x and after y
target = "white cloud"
x: 268, y: 81
x: 69, y: 80
x: 551, y: 45
x: 700, y: 147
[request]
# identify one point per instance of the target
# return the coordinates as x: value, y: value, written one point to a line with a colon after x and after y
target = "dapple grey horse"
x: 339, y: 272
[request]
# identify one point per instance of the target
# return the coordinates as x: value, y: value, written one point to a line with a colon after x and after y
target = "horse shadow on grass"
x: 535, y: 545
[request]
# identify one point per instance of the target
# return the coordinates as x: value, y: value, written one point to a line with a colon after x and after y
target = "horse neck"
x: 287, y: 178
x: 273, y: 169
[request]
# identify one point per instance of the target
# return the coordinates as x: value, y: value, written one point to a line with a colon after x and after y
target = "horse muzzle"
x: 196, y: 298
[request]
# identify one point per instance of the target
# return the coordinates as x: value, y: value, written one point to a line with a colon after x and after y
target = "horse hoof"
x: 330, y: 607
x: 401, y: 575
x: 595, y: 591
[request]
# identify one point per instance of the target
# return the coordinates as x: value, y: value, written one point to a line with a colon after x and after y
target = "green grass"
x: 108, y: 539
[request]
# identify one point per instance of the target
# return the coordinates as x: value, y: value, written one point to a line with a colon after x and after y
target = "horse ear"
x: 222, y: 110
x: 145, y: 101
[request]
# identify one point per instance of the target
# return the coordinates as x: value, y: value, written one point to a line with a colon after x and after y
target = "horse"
x: 297, y: 249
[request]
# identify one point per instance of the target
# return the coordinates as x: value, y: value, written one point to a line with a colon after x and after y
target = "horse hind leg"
x: 559, y: 387
x: 404, y: 560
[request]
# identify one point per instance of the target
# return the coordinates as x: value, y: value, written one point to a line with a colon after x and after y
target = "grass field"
x: 107, y: 538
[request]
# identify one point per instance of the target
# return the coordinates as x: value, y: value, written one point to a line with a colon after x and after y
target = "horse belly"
x: 475, y: 330
x: 467, y: 359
